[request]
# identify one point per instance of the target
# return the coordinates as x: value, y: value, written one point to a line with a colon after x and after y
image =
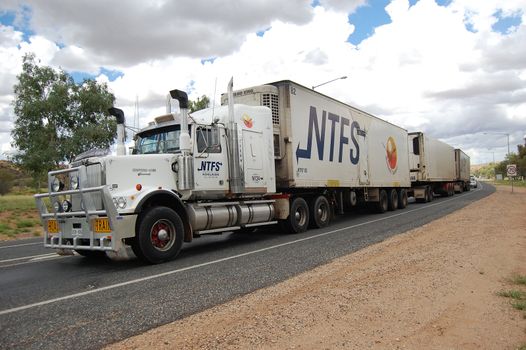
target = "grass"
x: 6, y: 230
x: 17, y: 202
x: 518, y: 296
x: 24, y: 223
x: 519, y: 280
x: 508, y: 183
x: 513, y: 294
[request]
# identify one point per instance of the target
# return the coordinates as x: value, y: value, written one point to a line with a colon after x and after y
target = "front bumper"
x: 75, y: 230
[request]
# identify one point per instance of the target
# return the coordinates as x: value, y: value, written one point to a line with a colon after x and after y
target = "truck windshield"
x: 162, y: 140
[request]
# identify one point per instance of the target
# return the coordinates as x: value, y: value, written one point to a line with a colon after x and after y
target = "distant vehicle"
x: 472, y: 182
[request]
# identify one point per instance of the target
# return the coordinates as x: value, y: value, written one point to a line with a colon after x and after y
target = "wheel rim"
x: 323, y: 212
x: 162, y: 235
x: 300, y: 216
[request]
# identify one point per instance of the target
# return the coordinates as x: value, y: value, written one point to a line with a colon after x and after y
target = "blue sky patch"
x: 366, y: 18
x: 262, y: 32
x: 79, y: 77
x: 505, y: 23
x: 208, y: 60
x: 444, y: 3
x: 18, y: 21
x: 112, y: 74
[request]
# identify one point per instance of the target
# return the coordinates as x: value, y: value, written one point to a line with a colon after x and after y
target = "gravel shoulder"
x: 434, y: 287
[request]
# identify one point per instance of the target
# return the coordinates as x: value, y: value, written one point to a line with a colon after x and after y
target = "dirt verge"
x: 434, y: 287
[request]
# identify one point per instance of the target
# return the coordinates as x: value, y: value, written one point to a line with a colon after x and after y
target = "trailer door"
x: 363, y: 164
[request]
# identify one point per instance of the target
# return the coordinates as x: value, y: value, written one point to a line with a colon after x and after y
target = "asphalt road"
x: 53, y: 302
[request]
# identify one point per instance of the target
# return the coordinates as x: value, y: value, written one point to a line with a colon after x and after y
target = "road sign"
x: 512, y: 169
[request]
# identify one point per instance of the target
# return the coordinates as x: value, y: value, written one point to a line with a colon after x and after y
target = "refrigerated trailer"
x: 432, y: 167
x: 275, y: 153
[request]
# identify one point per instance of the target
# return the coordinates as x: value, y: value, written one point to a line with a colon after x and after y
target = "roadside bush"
x: 6, y: 182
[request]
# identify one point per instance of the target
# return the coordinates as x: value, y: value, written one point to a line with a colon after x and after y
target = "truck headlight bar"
x: 57, y: 185
x: 74, y: 182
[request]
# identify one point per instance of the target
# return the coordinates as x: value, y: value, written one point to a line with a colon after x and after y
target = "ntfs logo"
x: 210, y: 166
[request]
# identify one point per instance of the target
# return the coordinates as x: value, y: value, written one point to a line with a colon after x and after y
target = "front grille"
x: 95, y: 178
x: 271, y: 101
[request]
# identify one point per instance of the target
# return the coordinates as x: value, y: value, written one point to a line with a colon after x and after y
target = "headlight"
x: 57, y: 185
x: 119, y: 202
x: 66, y: 205
x: 57, y: 206
x: 74, y: 182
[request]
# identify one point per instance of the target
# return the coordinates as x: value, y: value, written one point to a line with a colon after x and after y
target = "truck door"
x: 363, y: 164
x: 253, y: 146
x: 210, y: 161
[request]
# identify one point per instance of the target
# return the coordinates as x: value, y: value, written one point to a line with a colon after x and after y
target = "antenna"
x: 214, y: 101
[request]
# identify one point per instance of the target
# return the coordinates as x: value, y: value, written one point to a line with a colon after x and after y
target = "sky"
x: 455, y: 69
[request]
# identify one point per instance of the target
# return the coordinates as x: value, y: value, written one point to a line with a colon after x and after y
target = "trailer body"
x: 463, y: 170
x: 432, y: 167
x: 321, y: 142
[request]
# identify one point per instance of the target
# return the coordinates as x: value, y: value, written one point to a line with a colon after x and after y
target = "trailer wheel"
x: 429, y: 194
x: 320, y: 212
x: 160, y: 235
x: 392, y: 200
x: 402, y: 198
x: 383, y: 202
x: 298, y: 220
x: 92, y: 254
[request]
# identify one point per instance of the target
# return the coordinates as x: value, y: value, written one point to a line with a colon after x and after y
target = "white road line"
x: 193, y: 267
x: 19, y: 245
x: 28, y: 257
x: 30, y: 262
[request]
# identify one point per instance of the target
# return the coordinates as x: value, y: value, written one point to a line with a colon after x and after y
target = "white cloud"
x: 425, y: 70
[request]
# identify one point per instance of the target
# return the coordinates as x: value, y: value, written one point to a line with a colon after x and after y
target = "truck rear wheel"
x: 160, y: 235
x: 429, y: 194
x: 382, y: 205
x: 298, y: 219
x: 320, y: 212
x: 402, y: 198
x: 392, y: 200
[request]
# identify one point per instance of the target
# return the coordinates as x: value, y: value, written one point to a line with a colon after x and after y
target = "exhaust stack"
x: 235, y: 163
x: 185, y: 160
x: 121, y: 133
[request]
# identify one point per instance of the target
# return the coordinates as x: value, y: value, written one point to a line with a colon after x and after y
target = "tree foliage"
x: 201, y: 103
x: 57, y: 119
x: 518, y: 158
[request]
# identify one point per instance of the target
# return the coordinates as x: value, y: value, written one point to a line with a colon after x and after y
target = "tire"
x: 392, y: 197
x: 298, y: 220
x: 382, y: 205
x: 92, y: 254
x: 402, y: 198
x: 160, y: 235
x: 429, y: 194
x: 320, y: 212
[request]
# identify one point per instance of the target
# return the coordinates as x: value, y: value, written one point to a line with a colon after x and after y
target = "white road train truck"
x: 435, y: 168
x: 276, y: 153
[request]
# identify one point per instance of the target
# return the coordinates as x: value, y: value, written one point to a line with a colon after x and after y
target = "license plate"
x: 102, y: 225
x: 52, y: 226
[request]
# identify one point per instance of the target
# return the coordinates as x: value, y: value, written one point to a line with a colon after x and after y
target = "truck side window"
x: 205, y: 142
x: 416, y: 146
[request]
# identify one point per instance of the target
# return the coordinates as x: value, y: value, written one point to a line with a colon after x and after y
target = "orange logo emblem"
x: 249, y: 123
x: 391, y: 155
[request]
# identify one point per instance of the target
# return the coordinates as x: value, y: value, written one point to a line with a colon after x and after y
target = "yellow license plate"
x: 52, y: 226
x: 102, y: 225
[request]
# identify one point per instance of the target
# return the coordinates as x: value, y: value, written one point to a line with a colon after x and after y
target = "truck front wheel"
x: 160, y: 235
